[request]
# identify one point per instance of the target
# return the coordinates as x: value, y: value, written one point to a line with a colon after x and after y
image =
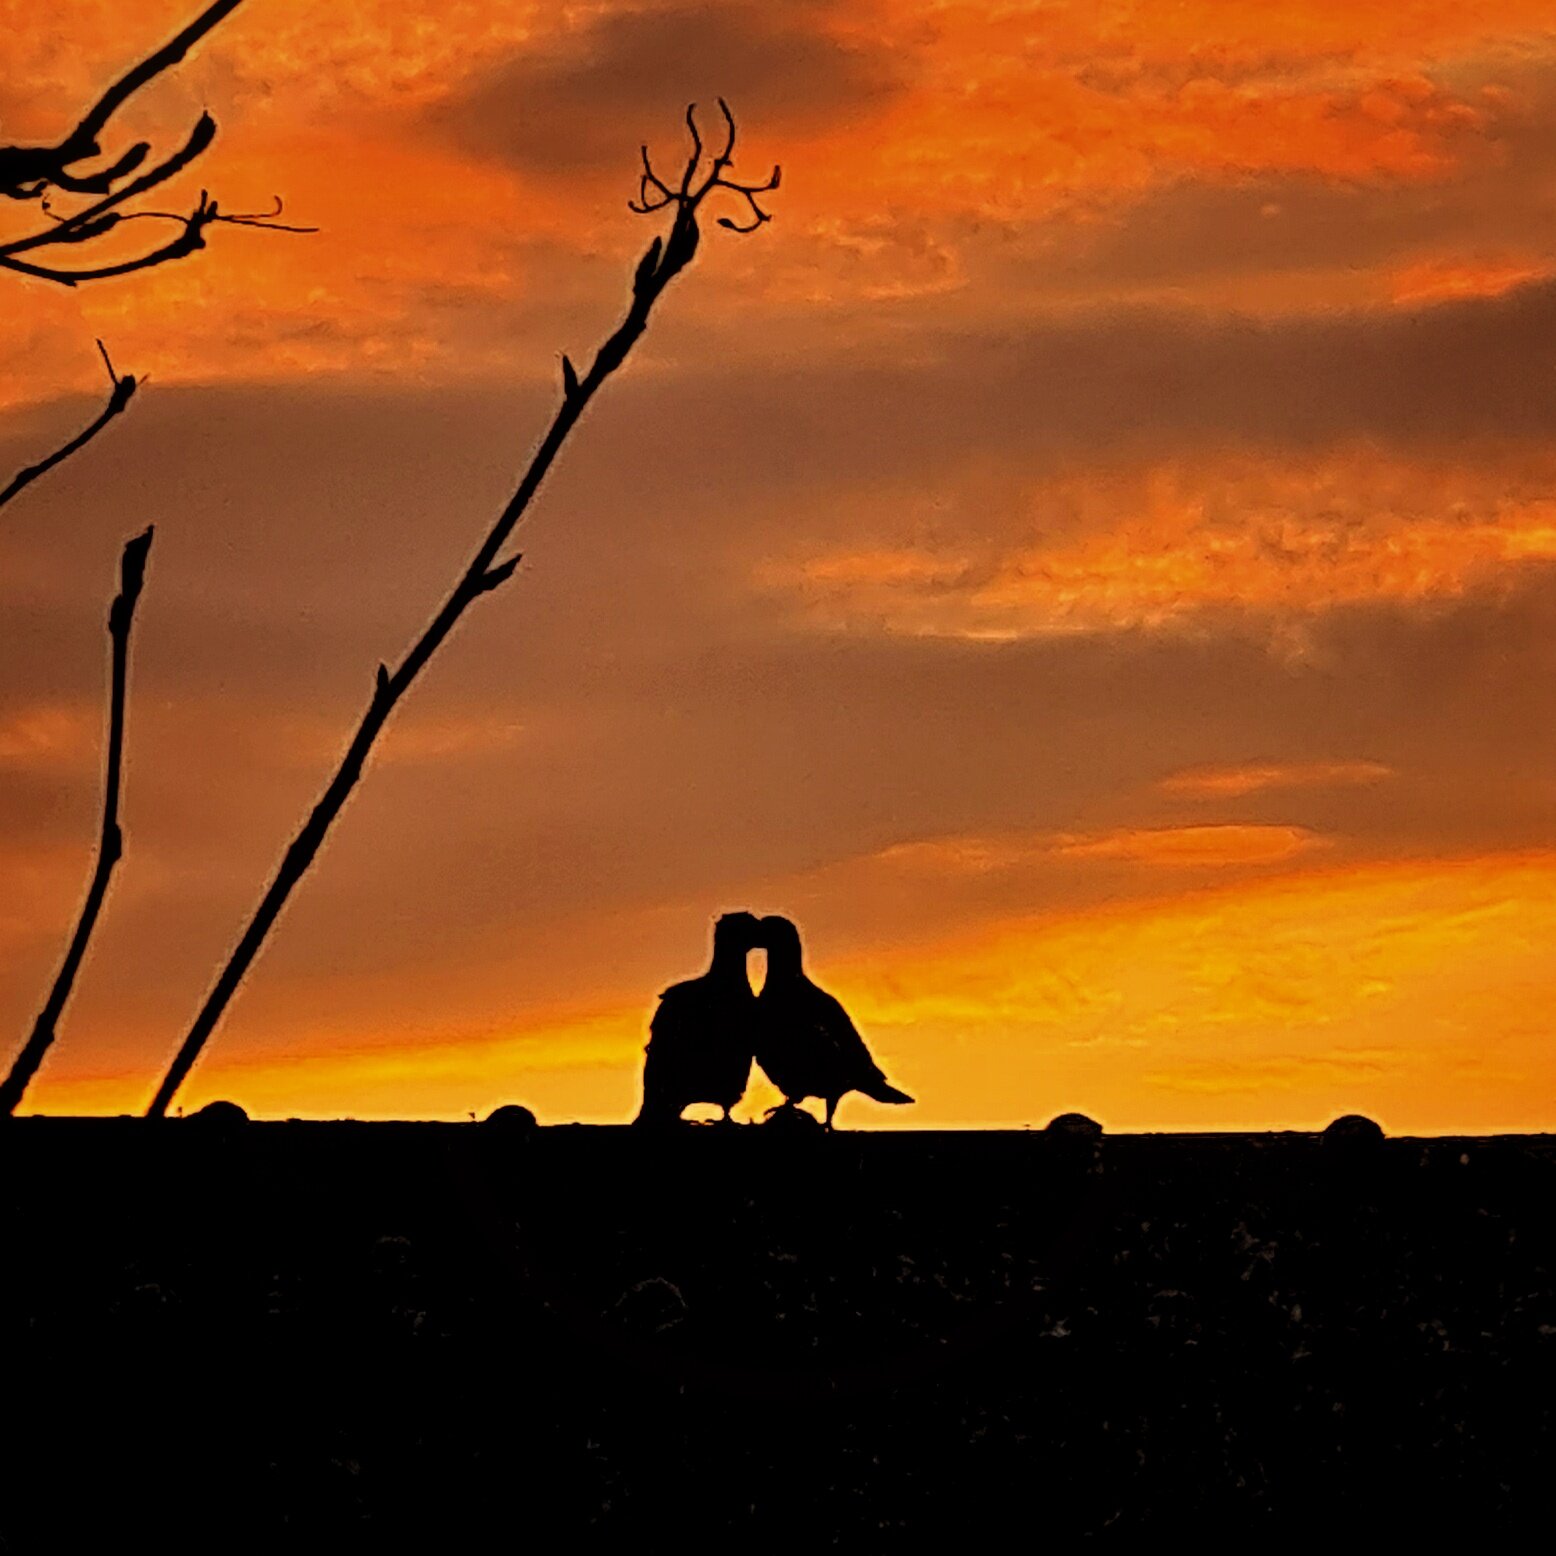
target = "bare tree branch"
x: 121, y: 616
x: 27, y: 171
x: 30, y: 172
x: 96, y: 219
x: 661, y: 263
x: 120, y: 395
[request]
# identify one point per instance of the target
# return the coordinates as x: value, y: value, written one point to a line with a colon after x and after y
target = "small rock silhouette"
x: 652, y: 1306
x: 791, y: 1120
x: 1076, y: 1124
x: 512, y: 1119
x: 224, y: 1115
x: 1353, y: 1130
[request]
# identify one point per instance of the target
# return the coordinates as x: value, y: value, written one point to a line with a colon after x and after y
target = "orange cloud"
x: 1250, y: 777
x: 40, y: 889
x: 1160, y: 547
x: 1000, y: 119
x: 277, y: 60
x: 1341, y: 1068
x: 48, y: 735
x: 1449, y: 280
x: 1231, y: 36
x: 1183, y: 847
x: 1227, y: 844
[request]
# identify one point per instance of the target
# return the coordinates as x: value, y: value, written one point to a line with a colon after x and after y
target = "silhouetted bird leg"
x: 831, y: 1109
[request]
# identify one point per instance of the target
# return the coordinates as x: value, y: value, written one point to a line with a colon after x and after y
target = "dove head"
x: 782, y: 940
x: 734, y: 934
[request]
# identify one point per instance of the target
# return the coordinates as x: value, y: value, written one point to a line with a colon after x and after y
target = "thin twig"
x: 663, y: 195
x: 207, y: 213
x: 121, y: 615
x: 661, y: 263
x: 122, y: 392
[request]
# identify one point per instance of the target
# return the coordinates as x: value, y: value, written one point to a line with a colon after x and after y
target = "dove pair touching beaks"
x: 708, y: 1031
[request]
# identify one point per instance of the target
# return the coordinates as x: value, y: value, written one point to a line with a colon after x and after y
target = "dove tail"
x: 881, y: 1092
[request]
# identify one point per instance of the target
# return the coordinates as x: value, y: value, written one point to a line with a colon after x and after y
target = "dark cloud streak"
x: 590, y: 101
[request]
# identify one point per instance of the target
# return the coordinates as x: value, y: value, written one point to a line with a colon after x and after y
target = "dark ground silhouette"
x: 429, y: 1336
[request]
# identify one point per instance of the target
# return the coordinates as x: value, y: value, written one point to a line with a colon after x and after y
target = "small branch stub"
x: 121, y: 392
x: 132, y: 578
x: 496, y: 577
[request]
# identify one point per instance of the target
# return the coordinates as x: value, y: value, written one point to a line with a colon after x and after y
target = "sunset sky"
x: 1091, y: 560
